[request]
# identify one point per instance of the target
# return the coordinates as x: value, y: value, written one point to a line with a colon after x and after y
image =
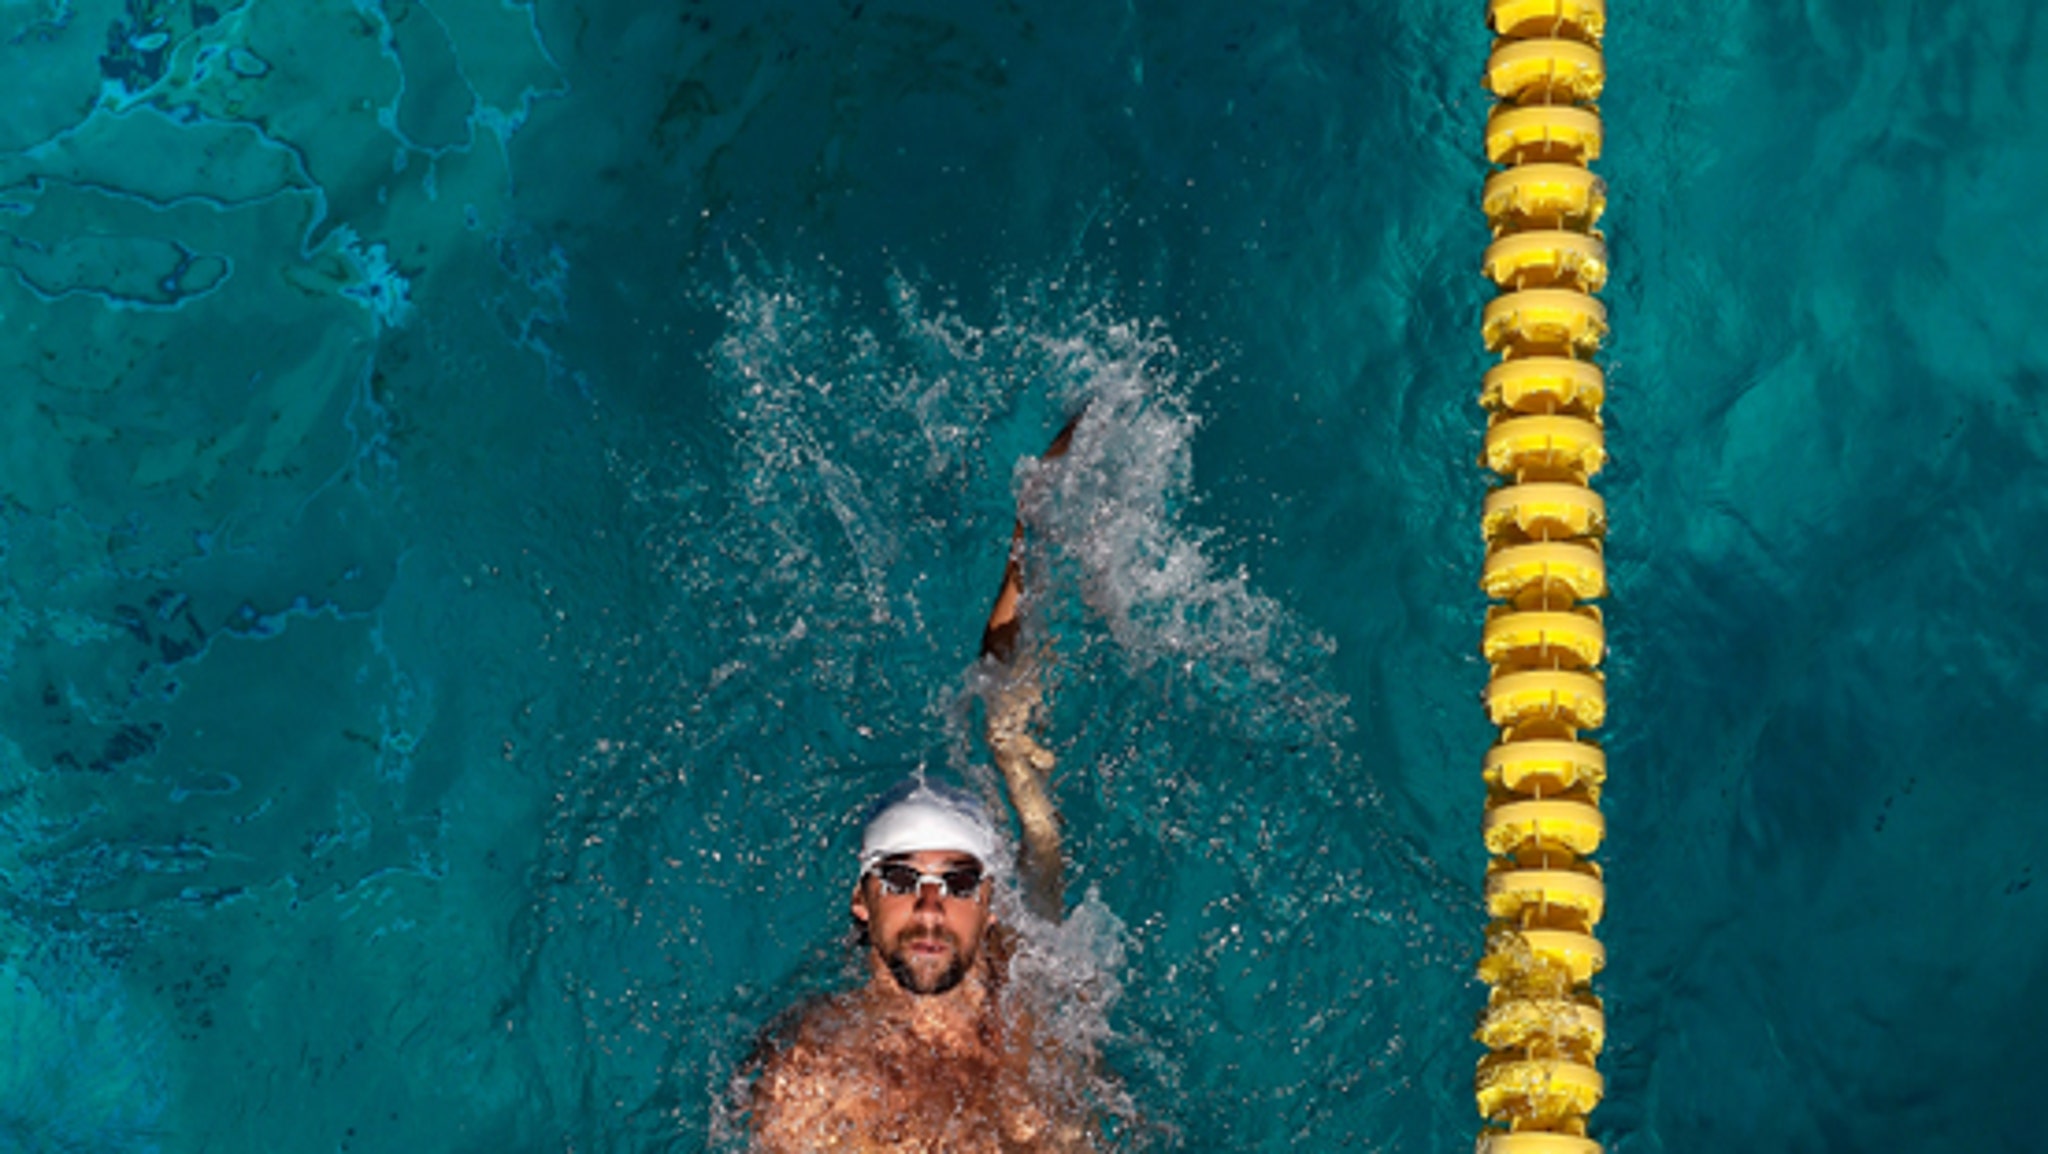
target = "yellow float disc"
x: 1546, y: 767
x: 1582, y: 19
x: 1513, y: 698
x: 1543, y: 196
x: 1545, y: 258
x: 1577, y: 1024
x: 1580, y: 955
x: 1552, y: 71
x: 1544, y: 384
x: 1547, y: 1089
x: 1519, y: 444
x: 1535, y: 1142
x: 1544, y: 319
x: 1542, y: 134
x: 1544, y: 509
x: 1574, y: 823
x: 1570, y: 568
x: 1544, y: 956
x: 1510, y: 891
x: 1540, y: 638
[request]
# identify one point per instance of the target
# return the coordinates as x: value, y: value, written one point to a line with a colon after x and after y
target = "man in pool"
x: 926, y: 1056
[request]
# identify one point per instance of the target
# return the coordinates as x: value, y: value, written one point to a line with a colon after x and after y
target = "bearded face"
x: 926, y: 936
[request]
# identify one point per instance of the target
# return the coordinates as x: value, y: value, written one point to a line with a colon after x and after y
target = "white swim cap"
x: 920, y: 815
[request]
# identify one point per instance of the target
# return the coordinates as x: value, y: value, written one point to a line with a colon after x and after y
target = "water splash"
x: 1112, y: 516
x: 798, y: 629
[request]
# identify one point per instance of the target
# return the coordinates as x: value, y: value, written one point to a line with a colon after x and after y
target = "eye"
x: 963, y: 883
x: 898, y: 879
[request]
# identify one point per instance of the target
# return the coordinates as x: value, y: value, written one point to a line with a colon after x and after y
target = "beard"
x: 925, y: 983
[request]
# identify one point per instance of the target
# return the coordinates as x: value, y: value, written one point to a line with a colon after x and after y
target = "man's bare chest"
x: 900, y: 1098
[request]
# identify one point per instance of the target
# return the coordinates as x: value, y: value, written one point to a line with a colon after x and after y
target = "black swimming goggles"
x: 901, y: 878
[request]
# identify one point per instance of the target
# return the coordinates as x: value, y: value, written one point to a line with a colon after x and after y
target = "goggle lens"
x: 899, y: 880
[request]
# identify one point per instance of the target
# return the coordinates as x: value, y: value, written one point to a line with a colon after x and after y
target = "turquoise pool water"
x: 489, y: 489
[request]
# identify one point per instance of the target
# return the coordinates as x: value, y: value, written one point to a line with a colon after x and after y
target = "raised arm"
x: 1012, y: 701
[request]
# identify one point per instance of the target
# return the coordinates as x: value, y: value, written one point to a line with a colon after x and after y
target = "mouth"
x: 928, y: 947
x: 929, y: 963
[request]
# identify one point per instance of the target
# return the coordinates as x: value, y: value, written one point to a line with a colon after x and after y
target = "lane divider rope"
x: 1545, y: 528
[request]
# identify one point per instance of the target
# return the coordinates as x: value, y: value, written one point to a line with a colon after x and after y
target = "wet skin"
x: 926, y: 940
x: 921, y: 1058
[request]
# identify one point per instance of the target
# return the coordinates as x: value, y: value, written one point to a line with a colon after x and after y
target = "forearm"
x: 1027, y: 768
x: 1013, y: 704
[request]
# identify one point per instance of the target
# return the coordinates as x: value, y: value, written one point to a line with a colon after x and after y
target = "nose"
x: 931, y: 897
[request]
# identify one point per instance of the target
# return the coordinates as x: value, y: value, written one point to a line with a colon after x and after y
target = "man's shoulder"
x: 813, y: 1079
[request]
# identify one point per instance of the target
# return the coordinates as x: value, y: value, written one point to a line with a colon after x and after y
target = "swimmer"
x: 926, y: 1056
